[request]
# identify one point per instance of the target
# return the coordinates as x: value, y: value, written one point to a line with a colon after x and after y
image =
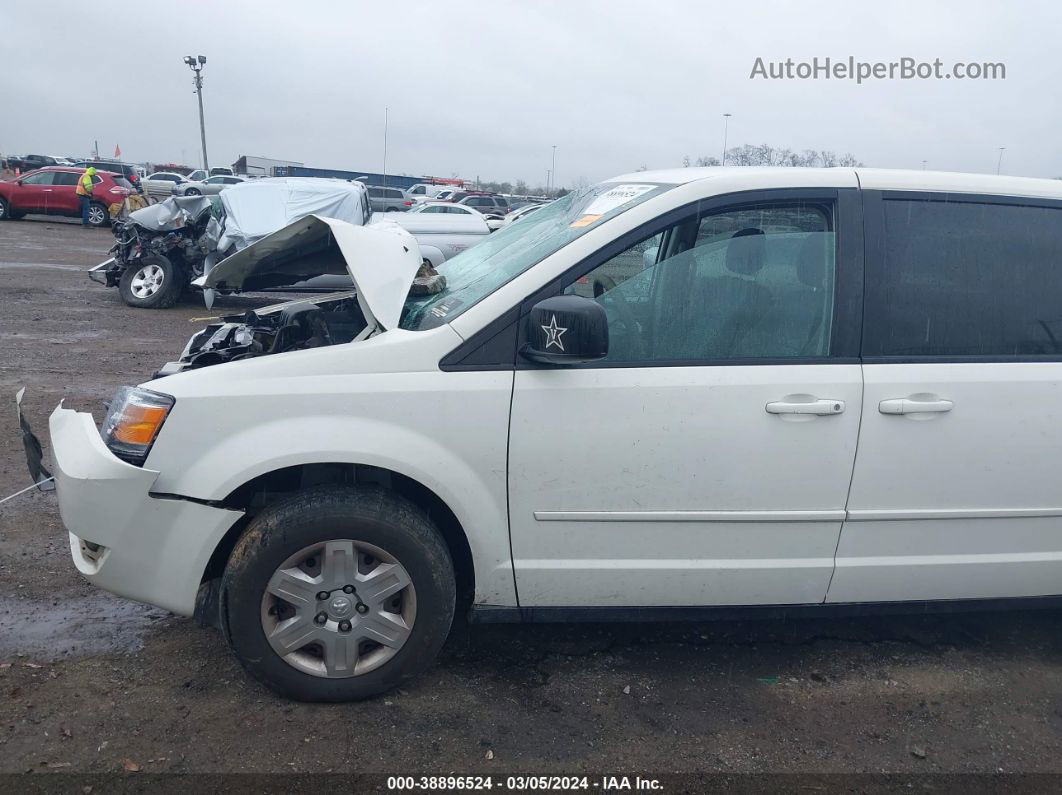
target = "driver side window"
x: 744, y: 284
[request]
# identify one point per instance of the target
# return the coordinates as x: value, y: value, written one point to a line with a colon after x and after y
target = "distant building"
x: 261, y: 166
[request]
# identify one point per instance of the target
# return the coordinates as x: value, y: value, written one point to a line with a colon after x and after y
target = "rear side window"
x: 122, y: 182
x: 65, y: 178
x: 966, y: 279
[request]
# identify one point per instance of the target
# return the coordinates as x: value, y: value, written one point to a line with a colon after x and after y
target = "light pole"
x: 999, y: 163
x: 923, y: 165
x: 196, y: 64
x: 726, y: 125
x: 553, y: 171
x: 548, y: 175
x: 385, y: 148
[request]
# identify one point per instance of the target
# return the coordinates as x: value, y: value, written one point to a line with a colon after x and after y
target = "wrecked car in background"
x: 157, y: 251
x: 161, y: 249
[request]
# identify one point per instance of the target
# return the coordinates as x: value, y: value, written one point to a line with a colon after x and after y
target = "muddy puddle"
x: 71, y: 626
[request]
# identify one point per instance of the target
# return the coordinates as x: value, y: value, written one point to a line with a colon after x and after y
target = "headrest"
x: 746, y: 252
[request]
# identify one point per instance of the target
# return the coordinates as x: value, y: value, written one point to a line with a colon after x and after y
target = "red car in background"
x: 53, y: 191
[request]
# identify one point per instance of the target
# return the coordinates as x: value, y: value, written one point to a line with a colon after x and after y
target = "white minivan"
x: 669, y: 392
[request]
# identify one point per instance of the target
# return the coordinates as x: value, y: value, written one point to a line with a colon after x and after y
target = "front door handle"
x: 911, y: 405
x: 809, y: 407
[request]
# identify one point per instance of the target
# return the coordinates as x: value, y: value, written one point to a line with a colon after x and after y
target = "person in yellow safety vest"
x: 85, y: 185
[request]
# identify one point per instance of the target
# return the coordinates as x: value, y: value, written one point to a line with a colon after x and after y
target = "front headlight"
x: 133, y: 422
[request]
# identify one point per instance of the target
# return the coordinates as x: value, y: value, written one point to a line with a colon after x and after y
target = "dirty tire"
x: 5, y: 210
x: 166, y: 294
x: 366, y: 514
x: 98, y: 215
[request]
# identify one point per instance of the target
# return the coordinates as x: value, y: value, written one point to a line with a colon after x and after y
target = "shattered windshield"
x: 477, y: 272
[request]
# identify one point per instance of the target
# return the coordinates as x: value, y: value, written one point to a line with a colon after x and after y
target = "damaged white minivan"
x: 646, y: 400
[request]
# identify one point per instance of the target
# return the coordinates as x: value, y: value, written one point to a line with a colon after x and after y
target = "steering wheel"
x: 625, y: 318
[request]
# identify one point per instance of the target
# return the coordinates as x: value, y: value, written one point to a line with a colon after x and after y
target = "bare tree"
x: 767, y: 155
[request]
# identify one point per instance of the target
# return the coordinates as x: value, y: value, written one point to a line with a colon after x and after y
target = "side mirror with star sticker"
x: 566, y: 329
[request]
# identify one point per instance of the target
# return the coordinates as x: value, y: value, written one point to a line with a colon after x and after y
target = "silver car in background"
x: 211, y: 186
x: 388, y: 200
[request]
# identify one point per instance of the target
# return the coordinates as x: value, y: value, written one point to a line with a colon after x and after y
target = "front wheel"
x: 193, y: 192
x: 338, y: 594
x: 152, y: 282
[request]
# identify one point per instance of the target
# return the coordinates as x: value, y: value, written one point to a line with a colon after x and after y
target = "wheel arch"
x: 266, y: 488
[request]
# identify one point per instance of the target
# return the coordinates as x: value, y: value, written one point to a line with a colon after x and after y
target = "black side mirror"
x: 566, y: 329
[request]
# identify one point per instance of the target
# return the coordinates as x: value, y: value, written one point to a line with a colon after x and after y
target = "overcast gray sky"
x: 486, y: 88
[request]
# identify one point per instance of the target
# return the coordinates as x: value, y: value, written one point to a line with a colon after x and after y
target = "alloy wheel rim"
x: 339, y: 609
x: 96, y: 215
x: 147, y: 281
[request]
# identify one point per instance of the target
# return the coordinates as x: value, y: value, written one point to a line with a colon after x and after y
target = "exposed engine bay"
x: 314, y: 322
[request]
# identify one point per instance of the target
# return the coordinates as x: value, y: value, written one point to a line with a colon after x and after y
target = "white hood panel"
x: 382, y: 259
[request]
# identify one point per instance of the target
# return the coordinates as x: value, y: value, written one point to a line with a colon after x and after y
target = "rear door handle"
x: 914, y: 406
x: 810, y: 407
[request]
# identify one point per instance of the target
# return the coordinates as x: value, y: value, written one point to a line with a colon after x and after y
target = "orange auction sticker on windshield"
x: 586, y: 220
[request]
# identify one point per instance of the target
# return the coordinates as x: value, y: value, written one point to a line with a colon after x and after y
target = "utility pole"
x: 385, y: 148
x: 548, y: 175
x: 999, y: 163
x: 553, y: 171
x: 196, y: 64
x: 726, y: 126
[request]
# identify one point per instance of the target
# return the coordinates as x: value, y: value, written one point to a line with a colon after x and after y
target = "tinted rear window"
x: 961, y: 279
x: 122, y: 182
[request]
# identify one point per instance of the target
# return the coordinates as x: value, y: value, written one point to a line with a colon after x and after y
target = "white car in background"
x: 522, y: 212
x: 161, y: 183
x: 493, y: 222
x: 422, y: 192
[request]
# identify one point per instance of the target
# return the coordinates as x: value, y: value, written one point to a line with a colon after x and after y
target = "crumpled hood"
x: 382, y: 259
x: 172, y: 213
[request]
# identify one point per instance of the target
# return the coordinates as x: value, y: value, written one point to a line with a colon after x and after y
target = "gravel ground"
x: 91, y: 684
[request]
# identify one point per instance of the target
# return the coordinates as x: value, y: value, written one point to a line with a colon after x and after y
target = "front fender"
x: 451, y: 441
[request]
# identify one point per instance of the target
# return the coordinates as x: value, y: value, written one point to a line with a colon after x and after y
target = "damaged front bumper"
x: 124, y: 539
x: 106, y: 273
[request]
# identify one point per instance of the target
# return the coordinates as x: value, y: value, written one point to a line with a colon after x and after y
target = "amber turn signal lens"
x: 139, y: 424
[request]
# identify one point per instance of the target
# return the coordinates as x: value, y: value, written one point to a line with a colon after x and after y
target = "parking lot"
x: 92, y: 683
